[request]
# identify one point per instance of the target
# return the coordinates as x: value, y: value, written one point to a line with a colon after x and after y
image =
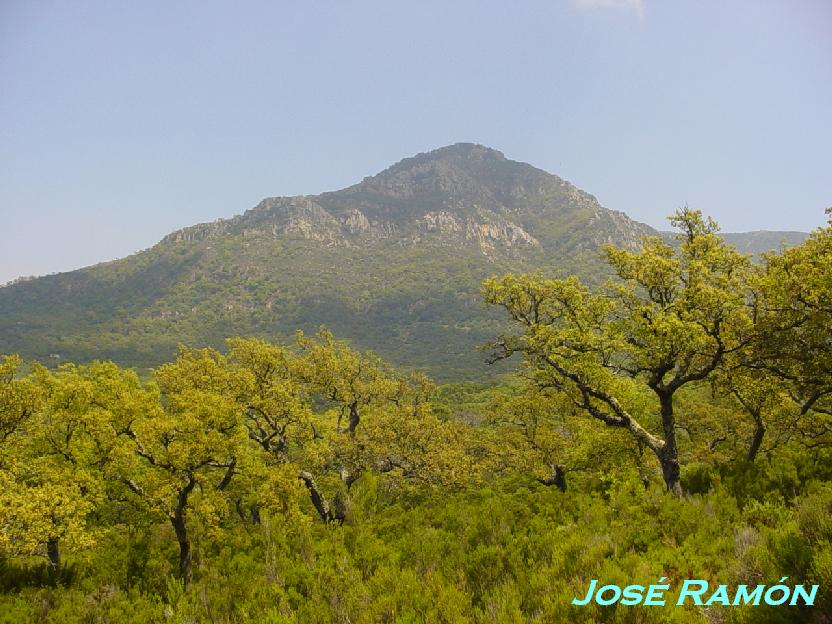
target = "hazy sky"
x: 121, y: 121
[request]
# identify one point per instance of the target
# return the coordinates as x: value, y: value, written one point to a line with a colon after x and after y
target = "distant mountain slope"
x: 392, y: 263
x: 760, y: 241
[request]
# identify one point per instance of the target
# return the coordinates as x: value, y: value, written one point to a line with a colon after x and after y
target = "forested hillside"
x: 673, y: 422
x: 393, y: 263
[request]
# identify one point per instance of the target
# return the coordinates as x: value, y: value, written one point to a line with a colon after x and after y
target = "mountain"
x: 761, y: 241
x: 392, y: 263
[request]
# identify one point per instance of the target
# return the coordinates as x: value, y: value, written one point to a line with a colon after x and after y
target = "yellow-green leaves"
x: 34, y: 513
x: 794, y: 323
x: 346, y: 378
x: 19, y: 398
x: 57, y: 465
x: 668, y: 320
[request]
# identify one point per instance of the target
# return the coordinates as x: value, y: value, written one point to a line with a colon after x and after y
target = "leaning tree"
x: 668, y: 319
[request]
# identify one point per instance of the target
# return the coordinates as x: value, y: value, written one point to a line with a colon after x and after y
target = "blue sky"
x: 121, y: 121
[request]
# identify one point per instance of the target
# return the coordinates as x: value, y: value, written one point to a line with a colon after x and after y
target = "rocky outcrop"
x: 614, y: 227
x: 488, y: 232
x: 199, y: 232
x: 442, y: 222
x: 461, y: 194
x: 355, y: 222
x: 301, y: 216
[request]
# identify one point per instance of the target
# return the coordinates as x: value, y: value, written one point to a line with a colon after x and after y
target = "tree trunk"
x: 669, y: 453
x: 671, y: 473
x: 558, y: 477
x: 354, y: 418
x: 757, y: 439
x: 181, y: 530
x: 178, y: 523
x: 348, y: 477
x: 318, y: 499
x: 229, y: 474
x: 53, y: 552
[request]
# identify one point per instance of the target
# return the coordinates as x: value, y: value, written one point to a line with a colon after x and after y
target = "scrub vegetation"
x: 674, y: 420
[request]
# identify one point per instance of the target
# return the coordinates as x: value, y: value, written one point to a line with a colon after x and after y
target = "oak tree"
x: 668, y: 320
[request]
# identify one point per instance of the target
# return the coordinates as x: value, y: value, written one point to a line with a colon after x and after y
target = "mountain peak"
x: 459, y: 152
x: 459, y: 177
x: 470, y: 157
x: 465, y: 193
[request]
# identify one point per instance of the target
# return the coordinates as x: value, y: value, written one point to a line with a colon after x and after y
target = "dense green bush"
x: 512, y: 551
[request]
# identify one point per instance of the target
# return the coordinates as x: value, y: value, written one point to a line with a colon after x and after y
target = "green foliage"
x: 311, y: 482
x: 667, y: 322
x: 512, y: 550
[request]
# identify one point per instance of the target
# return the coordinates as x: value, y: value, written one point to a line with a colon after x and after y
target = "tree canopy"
x: 690, y: 392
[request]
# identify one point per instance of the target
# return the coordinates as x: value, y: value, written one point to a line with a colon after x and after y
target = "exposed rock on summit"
x: 464, y: 194
x: 393, y: 263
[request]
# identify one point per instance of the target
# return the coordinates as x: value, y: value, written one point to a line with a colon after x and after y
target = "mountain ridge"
x: 426, y: 189
x: 392, y: 263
